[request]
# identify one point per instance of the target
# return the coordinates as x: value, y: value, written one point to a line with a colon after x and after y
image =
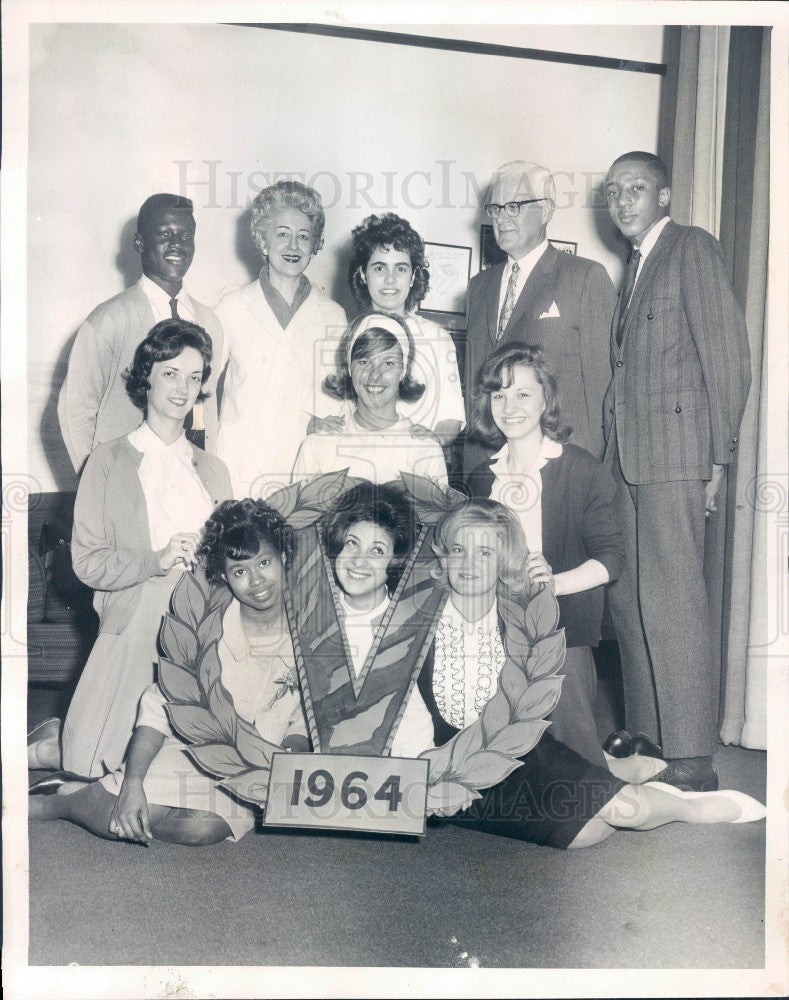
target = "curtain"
x: 715, y: 135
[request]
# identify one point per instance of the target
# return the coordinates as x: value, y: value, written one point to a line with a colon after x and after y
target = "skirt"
x: 173, y: 780
x: 103, y: 710
x: 547, y: 800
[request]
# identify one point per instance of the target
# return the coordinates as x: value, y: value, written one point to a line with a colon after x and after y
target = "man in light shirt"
x: 93, y: 405
x: 681, y: 374
x: 541, y: 296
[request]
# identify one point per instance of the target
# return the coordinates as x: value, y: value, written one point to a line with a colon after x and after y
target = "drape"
x: 715, y: 135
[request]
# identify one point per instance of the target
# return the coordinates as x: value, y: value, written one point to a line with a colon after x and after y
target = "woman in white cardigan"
x: 275, y: 332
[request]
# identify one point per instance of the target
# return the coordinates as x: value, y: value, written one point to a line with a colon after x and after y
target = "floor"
x: 676, y: 897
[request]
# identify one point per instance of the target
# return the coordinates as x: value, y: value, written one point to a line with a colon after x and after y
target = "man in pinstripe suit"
x: 681, y: 374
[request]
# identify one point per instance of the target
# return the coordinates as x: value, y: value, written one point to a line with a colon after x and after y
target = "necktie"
x: 174, y: 308
x: 627, y: 291
x: 509, y: 301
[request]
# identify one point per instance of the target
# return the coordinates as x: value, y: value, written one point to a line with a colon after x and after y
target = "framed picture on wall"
x: 450, y: 270
x: 490, y: 253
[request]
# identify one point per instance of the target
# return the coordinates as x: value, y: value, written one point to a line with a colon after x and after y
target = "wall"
x: 120, y: 111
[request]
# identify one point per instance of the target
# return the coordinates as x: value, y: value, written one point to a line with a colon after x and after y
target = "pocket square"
x: 552, y: 313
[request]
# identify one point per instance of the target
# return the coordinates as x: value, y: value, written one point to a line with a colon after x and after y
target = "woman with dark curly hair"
x: 388, y: 273
x: 563, y: 498
x: 141, y: 502
x: 273, y: 332
x: 159, y: 793
x: 374, y: 373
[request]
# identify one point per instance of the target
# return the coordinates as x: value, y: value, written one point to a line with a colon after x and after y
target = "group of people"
x: 597, y: 431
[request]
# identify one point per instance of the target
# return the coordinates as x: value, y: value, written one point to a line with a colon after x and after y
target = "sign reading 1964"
x: 347, y: 792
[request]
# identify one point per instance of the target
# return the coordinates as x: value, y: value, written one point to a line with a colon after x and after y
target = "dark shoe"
x: 688, y: 776
x: 618, y: 744
x: 644, y: 747
x: 52, y: 782
x: 49, y: 729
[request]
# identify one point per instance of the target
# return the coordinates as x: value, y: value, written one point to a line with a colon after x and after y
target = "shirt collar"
x: 528, y: 260
x: 651, y: 237
x: 156, y: 293
x: 282, y: 309
x: 453, y: 616
x: 548, y: 449
x: 149, y: 443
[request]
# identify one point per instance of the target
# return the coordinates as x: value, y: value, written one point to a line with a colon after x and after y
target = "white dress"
x: 260, y: 676
x: 379, y: 456
x: 435, y: 366
x: 272, y: 379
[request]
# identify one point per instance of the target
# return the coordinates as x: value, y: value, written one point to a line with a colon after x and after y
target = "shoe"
x: 49, y: 729
x: 618, y: 744
x: 682, y: 774
x: 642, y: 745
x: 53, y: 782
x: 751, y: 809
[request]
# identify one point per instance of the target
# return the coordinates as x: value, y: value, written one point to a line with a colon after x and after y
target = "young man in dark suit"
x: 681, y: 374
x: 541, y: 296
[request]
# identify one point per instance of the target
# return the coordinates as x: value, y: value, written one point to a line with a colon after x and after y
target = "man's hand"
x: 326, y: 425
x: 711, y: 489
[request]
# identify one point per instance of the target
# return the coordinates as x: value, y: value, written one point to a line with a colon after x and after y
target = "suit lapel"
x: 662, y: 249
x: 492, y: 289
x: 538, y: 280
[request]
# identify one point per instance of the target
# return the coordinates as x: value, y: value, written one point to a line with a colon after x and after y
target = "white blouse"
x: 522, y: 492
x: 468, y: 660
x: 175, y: 497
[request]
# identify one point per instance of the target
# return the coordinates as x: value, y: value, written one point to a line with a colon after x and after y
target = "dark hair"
x: 388, y: 230
x: 236, y: 529
x: 287, y: 194
x: 165, y: 341
x: 383, y: 505
x: 339, y: 384
x: 152, y: 207
x: 655, y: 164
x: 497, y: 373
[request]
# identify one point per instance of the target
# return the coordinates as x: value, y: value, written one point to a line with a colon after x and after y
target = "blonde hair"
x: 503, y: 523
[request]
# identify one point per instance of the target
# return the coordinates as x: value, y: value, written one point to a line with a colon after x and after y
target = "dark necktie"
x: 174, y: 308
x: 509, y: 301
x: 627, y: 291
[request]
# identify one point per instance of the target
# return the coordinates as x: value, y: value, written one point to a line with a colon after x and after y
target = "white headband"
x: 381, y: 321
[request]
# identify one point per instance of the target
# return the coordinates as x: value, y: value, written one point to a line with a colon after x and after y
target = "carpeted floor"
x: 677, y: 897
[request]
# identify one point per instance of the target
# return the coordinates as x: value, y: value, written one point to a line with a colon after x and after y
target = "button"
x: 735, y: 440
x: 619, y: 364
x: 678, y: 409
x: 649, y: 315
x: 610, y: 409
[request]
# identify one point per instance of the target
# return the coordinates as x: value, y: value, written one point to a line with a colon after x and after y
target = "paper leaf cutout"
x: 322, y: 491
x: 178, y: 641
x: 188, y: 600
x: 209, y: 667
x: 285, y: 499
x: 217, y: 759
x: 547, y: 656
x: 251, y: 786
x: 517, y: 739
x: 179, y: 684
x: 221, y: 706
x: 195, y: 724
x: 256, y: 751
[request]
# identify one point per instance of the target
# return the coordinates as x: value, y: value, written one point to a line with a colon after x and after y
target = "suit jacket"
x: 93, y: 405
x: 111, y: 542
x: 575, y: 342
x: 682, y: 372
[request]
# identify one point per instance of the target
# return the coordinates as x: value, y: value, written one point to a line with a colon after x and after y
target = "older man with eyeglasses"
x: 541, y: 296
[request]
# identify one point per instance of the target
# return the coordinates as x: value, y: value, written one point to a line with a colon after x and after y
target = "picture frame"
x: 450, y: 271
x: 490, y: 253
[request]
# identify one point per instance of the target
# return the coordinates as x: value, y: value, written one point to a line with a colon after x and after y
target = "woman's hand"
x: 326, y: 425
x: 181, y: 548
x: 538, y: 569
x: 129, y: 817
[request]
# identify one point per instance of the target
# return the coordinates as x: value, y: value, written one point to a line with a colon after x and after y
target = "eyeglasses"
x: 512, y: 208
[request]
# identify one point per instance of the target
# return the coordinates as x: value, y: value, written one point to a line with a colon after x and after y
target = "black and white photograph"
x: 395, y: 503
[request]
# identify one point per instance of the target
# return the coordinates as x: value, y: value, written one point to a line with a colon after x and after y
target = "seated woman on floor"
x: 368, y: 534
x: 159, y: 793
x: 479, y: 545
x: 374, y: 369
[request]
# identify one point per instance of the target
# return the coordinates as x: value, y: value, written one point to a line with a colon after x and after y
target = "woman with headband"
x: 388, y: 274
x: 374, y: 372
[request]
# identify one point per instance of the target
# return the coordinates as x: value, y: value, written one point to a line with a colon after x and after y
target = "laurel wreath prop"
x: 480, y: 756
